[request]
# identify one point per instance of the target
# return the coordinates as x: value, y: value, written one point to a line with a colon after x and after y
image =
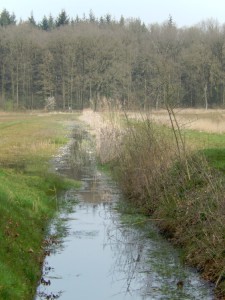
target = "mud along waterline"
x: 93, y: 256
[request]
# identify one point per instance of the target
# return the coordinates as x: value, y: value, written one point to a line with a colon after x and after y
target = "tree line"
x: 80, y: 61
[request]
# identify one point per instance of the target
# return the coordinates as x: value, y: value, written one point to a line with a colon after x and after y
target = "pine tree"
x: 7, y: 19
x: 122, y: 21
x: 13, y: 19
x: 51, y: 22
x: 44, y: 24
x: 92, y: 18
x: 62, y: 19
x: 31, y: 20
x: 108, y: 19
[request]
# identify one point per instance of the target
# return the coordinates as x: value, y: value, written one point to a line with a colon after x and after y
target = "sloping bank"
x: 177, y: 189
x: 28, y: 196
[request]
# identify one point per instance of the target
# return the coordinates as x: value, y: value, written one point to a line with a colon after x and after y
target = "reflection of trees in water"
x: 128, y: 246
x: 78, y: 156
x: 150, y: 267
x: 126, y: 243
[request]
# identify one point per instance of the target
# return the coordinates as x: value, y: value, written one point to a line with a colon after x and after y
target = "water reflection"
x: 100, y: 258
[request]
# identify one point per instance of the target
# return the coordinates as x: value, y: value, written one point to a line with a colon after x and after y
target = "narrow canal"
x: 99, y: 258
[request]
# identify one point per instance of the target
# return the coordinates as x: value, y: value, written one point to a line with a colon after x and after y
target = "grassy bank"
x: 28, y: 193
x: 181, y: 188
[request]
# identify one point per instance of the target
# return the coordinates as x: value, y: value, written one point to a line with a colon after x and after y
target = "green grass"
x: 106, y: 167
x: 204, y: 140
x: 27, y: 203
x: 28, y: 196
x: 216, y: 158
x: 211, y: 145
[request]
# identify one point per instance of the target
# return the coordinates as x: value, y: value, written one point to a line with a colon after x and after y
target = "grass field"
x: 211, y: 121
x: 27, y: 196
x: 201, y: 130
x: 205, y: 130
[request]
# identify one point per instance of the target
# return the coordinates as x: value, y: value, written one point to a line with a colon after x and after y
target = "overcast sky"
x: 184, y: 12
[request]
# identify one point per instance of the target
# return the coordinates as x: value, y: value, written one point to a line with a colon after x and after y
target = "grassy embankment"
x: 28, y: 194
x: 180, y: 188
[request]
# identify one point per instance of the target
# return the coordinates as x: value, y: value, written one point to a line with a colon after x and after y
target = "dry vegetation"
x: 107, y: 129
x: 178, y: 188
x: 211, y: 120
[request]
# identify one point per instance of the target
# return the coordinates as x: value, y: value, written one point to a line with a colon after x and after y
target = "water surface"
x: 98, y: 257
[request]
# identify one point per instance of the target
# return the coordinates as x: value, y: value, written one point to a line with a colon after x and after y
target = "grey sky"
x: 184, y: 12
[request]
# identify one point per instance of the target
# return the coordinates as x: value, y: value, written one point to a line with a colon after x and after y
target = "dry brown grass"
x: 108, y: 132
x: 212, y: 121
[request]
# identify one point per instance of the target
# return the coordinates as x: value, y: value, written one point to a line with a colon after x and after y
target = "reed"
x: 168, y: 179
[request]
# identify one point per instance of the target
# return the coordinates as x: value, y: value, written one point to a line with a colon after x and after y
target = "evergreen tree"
x: 92, y: 18
x: 31, y: 20
x: 13, y: 19
x: 51, y: 23
x: 122, y: 21
x: 62, y: 19
x: 44, y: 24
x: 102, y: 20
x: 108, y: 19
x: 7, y: 19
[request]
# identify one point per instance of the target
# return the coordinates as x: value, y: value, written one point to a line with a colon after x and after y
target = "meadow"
x: 28, y: 193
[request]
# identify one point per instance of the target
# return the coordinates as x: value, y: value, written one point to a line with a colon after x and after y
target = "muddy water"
x: 97, y: 257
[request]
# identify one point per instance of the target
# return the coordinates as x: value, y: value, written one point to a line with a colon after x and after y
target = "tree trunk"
x: 3, y: 86
x: 205, y: 97
x: 63, y: 94
x: 17, y: 85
